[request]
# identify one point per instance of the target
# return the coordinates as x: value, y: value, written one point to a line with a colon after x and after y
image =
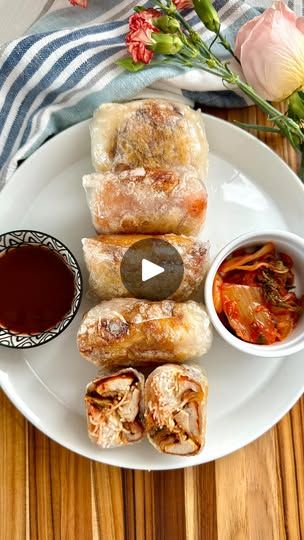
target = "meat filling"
x: 114, y: 409
x: 175, y: 426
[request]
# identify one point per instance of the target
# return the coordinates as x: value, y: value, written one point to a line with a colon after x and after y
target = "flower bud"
x: 296, y: 106
x: 166, y: 43
x: 207, y: 14
x: 167, y: 24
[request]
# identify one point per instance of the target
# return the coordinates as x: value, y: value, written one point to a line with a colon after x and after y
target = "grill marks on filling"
x: 152, y: 136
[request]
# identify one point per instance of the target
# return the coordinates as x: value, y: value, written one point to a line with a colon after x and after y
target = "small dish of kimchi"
x: 254, y: 293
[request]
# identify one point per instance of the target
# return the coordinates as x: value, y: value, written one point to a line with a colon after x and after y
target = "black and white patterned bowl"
x: 13, y: 239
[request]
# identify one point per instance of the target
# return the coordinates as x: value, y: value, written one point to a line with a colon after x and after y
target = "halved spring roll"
x: 146, y: 201
x: 152, y: 133
x: 140, y: 332
x: 104, y: 254
x: 114, y: 408
x: 175, y: 409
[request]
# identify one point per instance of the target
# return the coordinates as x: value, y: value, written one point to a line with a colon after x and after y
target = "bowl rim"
x: 277, y: 350
x: 70, y: 318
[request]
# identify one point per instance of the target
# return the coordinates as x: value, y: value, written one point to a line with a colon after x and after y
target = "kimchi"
x: 254, y: 294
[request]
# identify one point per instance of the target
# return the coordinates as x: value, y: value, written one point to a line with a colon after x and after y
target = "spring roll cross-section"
x: 114, y: 408
x: 127, y: 331
x: 104, y: 254
x: 175, y: 409
x: 146, y: 201
x: 152, y: 133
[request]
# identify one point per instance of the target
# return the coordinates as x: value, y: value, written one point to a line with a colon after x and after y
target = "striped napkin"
x: 58, y: 73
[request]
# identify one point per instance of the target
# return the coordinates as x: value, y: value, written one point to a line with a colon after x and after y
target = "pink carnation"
x: 80, y: 3
x: 139, y: 52
x: 183, y: 4
x: 140, y: 35
x: 148, y: 15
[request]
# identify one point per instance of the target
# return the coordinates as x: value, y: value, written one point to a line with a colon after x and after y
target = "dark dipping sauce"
x: 36, y: 289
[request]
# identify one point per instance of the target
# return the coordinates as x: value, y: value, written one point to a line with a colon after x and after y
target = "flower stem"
x: 287, y: 126
x: 193, y: 35
x: 227, y: 46
x: 195, y: 53
x: 257, y: 127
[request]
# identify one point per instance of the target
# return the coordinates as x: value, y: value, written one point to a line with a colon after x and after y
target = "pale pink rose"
x: 183, y: 4
x: 271, y: 51
x: 300, y: 24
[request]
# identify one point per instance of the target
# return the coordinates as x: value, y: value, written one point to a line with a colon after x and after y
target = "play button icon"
x: 152, y: 268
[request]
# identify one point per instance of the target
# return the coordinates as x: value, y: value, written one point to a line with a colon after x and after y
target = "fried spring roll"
x: 151, y: 133
x: 142, y: 201
x: 103, y: 256
x: 175, y: 409
x: 114, y: 408
x: 139, y: 332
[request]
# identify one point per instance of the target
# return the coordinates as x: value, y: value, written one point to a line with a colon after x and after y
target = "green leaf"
x: 130, y: 65
x: 257, y: 127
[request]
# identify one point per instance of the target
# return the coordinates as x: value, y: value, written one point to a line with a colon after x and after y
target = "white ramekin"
x: 285, y: 242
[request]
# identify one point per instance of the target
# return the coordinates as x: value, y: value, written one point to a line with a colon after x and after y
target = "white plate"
x: 249, y: 188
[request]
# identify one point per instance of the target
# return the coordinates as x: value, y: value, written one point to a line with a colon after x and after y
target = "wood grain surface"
x: 256, y: 493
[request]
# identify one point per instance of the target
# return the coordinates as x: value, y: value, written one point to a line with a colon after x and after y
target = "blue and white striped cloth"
x: 58, y: 73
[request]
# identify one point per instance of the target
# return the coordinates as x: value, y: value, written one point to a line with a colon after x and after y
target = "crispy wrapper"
x: 103, y: 256
x: 134, y: 332
x: 146, y: 201
x: 114, y: 408
x: 175, y: 409
x: 150, y: 133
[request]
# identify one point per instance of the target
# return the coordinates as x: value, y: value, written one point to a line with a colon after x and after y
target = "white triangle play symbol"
x: 150, y: 270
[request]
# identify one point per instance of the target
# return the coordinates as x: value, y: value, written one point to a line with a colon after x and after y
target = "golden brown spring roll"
x: 103, y: 257
x: 139, y: 332
x: 175, y: 409
x: 151, y: 133
x: 114, y: 408
x: 143, y: 201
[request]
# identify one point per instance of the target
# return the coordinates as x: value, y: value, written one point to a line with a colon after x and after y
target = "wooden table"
x: 48, y: 492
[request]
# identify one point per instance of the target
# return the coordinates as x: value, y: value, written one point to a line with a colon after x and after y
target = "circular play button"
x: 152, y: 269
